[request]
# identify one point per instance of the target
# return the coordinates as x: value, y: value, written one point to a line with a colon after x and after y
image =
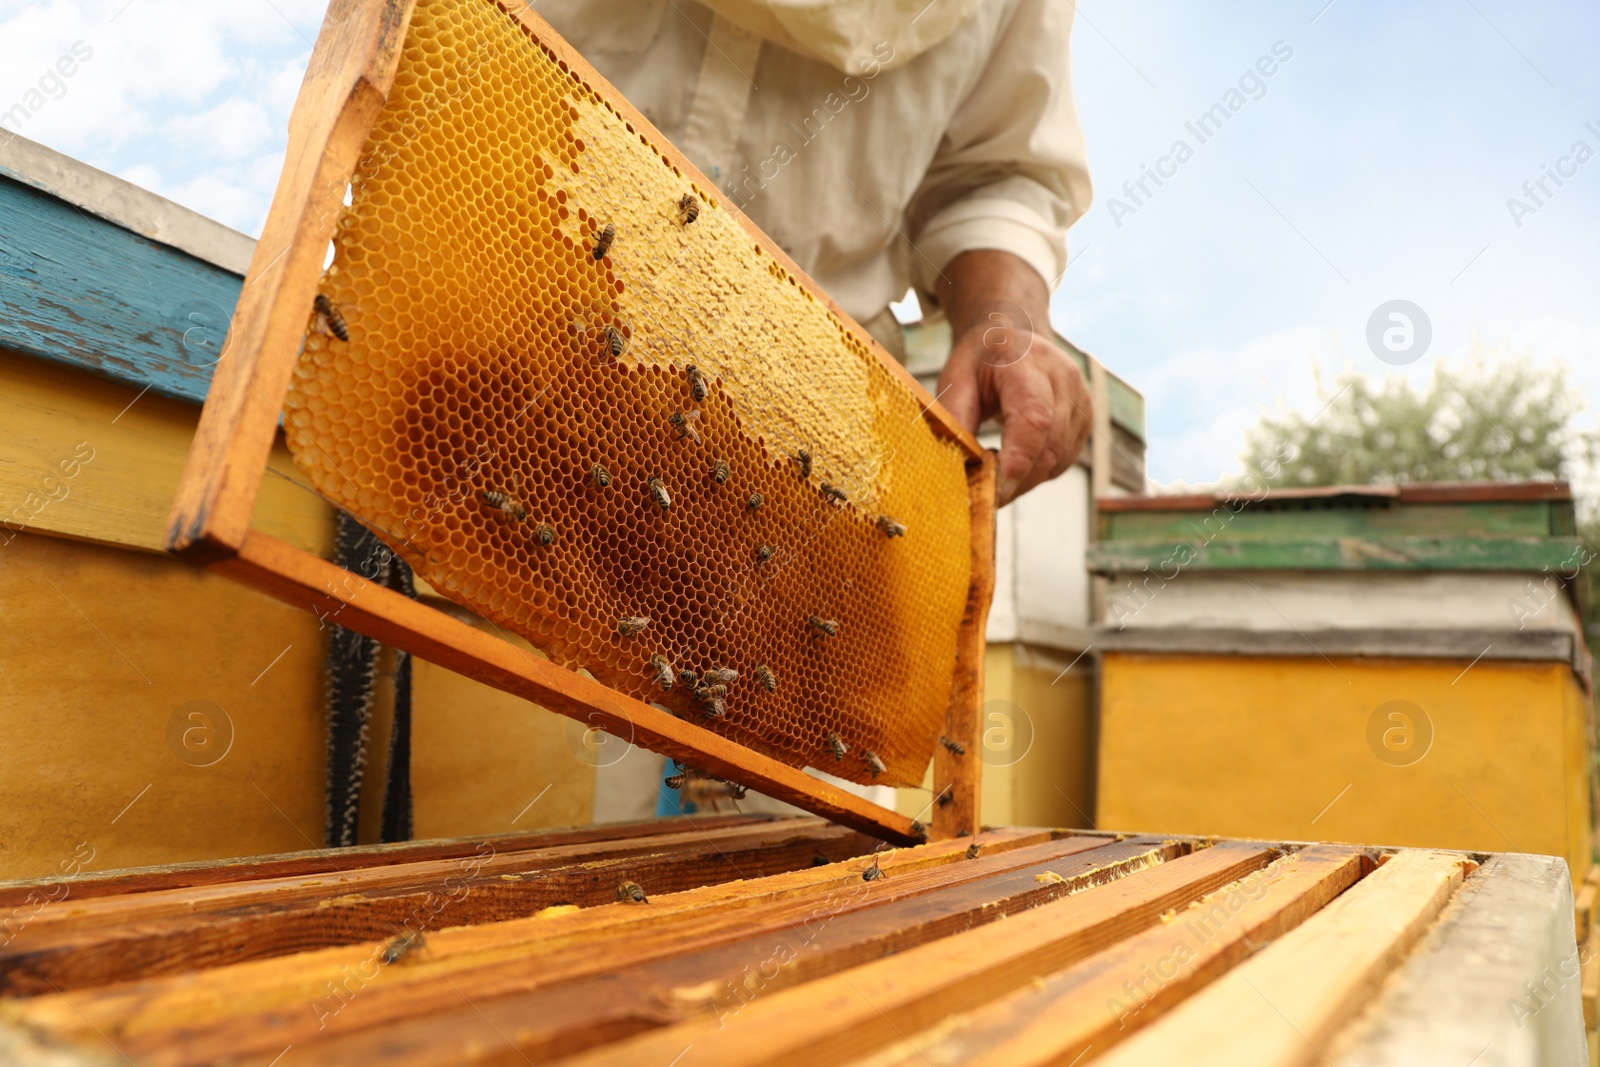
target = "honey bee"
x: 918, y: 830
x: 890, y: 528
x: 332, y: 316
x: 400, y: 947
x: 506, y: 504
x: 803, y: 457
x: 663, y: 670
x: 754, y: 501
x: 601, y: 476
x: 658, y: 492
x: 673, y: 781
x: 875, y: 871
x: 833, y: 493
x: 544, y: 533
x: 763, y: 553
x: 688, y: 209
x: 689, y: 678
x: 719, y: 471
x: 631, y: 892
x: 631, y: 624
x: 945, y: 799
x: 836, y: 746
x: 711, y: 691
x: 768, y: 680
x: 825, y: 627
x: 722, y: 676
x: 955, y: 747
x: 684, y: 421
x: 874, y: 764
x: 819, y: 860
x: 714, y: 707
x: 736, y: 790
x: 616, y: 344
x: 973, y: 850
x: 697, y: 382
x: 602, y: 244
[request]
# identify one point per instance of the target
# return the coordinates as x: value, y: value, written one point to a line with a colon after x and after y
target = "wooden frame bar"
x: 1014, y: 946
x: 958, y: 780
x: 352, y: 70
x: 155, y: 933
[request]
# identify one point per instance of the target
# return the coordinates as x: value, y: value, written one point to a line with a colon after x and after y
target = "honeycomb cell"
x: 483, y: 366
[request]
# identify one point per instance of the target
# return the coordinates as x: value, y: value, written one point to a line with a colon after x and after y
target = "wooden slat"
x: 501, y: 959
x: 1583, y: 901
x: 150, y: 934
x: 825, y: 936
x: 1283, y: 1006
x: 96, y: 297
x: 1589, y: 988
x: 867, y: 1007
x: 960, y: 778
x: 334, y: 861
x: 1494, y: 981
x: 352, y: 69
x: 1419, y: 493
x: 1076, y: 1014
x: 301, y: 580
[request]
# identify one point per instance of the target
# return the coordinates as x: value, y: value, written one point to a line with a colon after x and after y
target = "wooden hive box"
x: 792, y: 941
x: 1373, y: 663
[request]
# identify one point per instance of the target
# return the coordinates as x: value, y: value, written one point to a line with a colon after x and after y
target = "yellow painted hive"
x: 568, y: 432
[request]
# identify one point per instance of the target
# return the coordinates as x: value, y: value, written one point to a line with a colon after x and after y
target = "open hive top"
x: 516, y: 416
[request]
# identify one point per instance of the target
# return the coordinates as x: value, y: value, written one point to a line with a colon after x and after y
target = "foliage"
x: 1492, y: 419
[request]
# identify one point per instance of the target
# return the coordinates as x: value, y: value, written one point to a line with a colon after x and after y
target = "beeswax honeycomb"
x: 466, y: 416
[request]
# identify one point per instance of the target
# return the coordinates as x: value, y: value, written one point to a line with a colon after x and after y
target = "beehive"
x: 502, y: 414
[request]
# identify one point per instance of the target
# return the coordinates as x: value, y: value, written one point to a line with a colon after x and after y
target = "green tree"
x: 1491, y: 419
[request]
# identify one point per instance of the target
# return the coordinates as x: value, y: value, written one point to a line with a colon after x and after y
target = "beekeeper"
x: 887, y: 145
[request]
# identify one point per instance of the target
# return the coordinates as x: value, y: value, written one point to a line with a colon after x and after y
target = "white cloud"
x: 188, y: 98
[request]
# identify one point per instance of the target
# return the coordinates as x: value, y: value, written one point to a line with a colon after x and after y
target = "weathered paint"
x: 1268, y: 521
x: 1168, y: 558
x: 1289, y: 749
x: 81, y: 291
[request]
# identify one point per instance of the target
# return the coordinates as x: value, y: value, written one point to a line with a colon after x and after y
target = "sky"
x: 1374, y: 164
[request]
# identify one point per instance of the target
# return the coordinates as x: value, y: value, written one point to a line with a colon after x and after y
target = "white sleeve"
x: 1010, y: 171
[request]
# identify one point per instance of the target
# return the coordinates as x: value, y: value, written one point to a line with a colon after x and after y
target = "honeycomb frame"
x: 341, y: 106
